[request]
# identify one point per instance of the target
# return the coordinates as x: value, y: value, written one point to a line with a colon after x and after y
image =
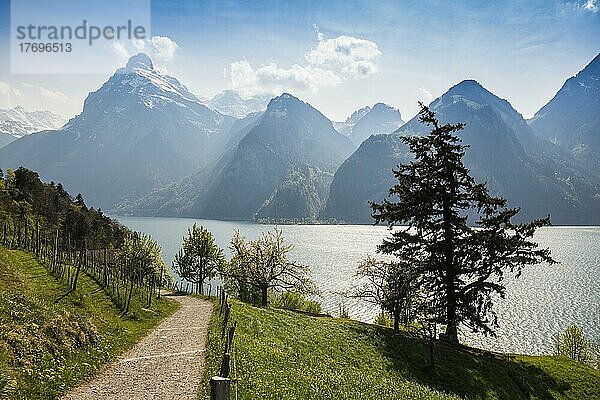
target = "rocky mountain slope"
x: 140, y: 131
x: 503, y: 152
x: 572, y: 118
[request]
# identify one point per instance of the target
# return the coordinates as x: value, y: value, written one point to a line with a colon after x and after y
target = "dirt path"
x: 166, y: 364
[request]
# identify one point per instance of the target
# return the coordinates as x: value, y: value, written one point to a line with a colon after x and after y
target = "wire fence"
x: 221, y: 385
x: 118, y: 276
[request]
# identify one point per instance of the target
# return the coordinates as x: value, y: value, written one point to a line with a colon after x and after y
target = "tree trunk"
x: 432, y: 353
x: 450, y: 273
x: 264, y: 300
x: 396, y: 320
x: 160, y: 282
x: 129, y: 297
x: 451, y: 335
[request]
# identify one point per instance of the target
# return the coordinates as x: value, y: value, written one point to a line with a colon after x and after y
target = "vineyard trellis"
x: 66, y: 261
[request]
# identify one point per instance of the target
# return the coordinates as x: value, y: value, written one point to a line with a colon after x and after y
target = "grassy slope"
x: 281, y: 354
x: 50, y: 342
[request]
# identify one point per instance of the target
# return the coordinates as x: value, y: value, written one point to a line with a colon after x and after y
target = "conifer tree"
x: 461, y: 260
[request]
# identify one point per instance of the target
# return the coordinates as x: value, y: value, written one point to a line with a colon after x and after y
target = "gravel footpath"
x: 166, y: 364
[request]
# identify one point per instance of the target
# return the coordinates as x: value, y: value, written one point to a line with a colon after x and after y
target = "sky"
x: 340, y: 55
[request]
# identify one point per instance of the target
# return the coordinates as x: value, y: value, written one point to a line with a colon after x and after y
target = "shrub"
x: 383, y: 319
x: 295, y: 301
x: 572, y: 343
x: 312, y: 306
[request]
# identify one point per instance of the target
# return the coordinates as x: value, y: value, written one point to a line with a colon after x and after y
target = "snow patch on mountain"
x: 19, y: 122
x: 367, y: 121
x: 229, y: 102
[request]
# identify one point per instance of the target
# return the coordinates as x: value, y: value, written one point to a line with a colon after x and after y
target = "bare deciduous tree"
x: 263, y: 264
x: 389, y: 284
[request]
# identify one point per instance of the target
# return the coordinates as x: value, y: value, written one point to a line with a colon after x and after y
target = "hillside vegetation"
x: 284, y: 355
x: 52, y: 338
x: 64, y: 309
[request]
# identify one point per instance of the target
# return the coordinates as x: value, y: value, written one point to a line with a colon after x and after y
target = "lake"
x: 543, y: 301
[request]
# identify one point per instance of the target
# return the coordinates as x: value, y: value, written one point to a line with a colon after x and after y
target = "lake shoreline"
x: 543, y: 301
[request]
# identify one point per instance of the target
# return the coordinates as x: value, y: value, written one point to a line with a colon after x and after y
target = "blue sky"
x: 398, y: 52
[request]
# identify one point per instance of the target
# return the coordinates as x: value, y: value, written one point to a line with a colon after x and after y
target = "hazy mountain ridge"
x: 180, y: 197
x: 17, y: 122
x: 572, y: 117
x: 381, y: 119
x: 229, y: 102
x: 5, y: 139
x: 367, y: 121
x: 345, y: 127
x: 140, y: 131
x: 496, y: 134
x: 290, y: 133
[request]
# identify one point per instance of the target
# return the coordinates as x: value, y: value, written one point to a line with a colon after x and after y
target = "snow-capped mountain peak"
x: 230, y: 102
x: 140, y: 61
x: 139, y: 86
x: 381, y: 118
x: 19, y: 122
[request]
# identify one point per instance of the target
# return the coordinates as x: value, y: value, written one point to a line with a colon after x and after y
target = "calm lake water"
x: 544, y: 300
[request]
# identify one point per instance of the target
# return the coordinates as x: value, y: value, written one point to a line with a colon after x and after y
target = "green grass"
x: 51, y: 340
x: 285, y: 355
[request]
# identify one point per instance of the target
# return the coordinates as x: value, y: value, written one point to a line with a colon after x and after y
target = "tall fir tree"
x: 461, y: 261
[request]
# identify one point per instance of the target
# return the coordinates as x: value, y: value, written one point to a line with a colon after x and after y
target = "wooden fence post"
x: 80, y: 261
x: 55, y: 255
x: 219, y: 388
x: 160, y: 280
x: 25, y: 236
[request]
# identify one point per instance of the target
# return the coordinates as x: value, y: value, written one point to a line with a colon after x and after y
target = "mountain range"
x: 138, y: 132
x: 379, y: 119
x: 280, y: 168
x: 503, y: 151
x: 229, y: 102
x: 145, y: 145
x: 572, y: 118
x: 17, y: 122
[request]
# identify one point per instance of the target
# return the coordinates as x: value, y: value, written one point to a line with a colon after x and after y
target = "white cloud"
x: 119, y: 48
x: 578, y: 7
x: 346, y: 55
x: 53, y: 95
x: 591, y: 5
x: 319, y: 34
x: 31, y: 96
x: 139, y: 44
x: 160, y: 48
x: 4, y: 88
x: 272, y: 79
x: 425, y: 95
x: 9, y: 91
x: 164, y: 48
x: 330, y: 63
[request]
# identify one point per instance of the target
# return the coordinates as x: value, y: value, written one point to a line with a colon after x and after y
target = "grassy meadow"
x: 50, y: 338
x: 285, y: 355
